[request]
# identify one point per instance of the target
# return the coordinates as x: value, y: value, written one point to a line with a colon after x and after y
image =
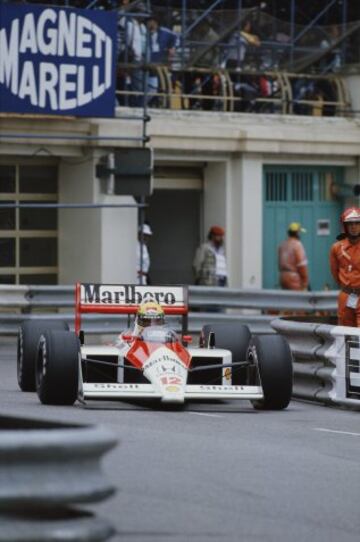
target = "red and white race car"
x: 156, y: 364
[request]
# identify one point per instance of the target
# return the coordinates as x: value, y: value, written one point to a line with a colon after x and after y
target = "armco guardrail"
x: 326, y: 360
x: 20, y: 301
x: 45, y: 469
x: 112, y: 324
x: 263, y: 299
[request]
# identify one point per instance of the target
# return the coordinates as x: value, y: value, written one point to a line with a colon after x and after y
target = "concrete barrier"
x: 45, y: 469
x: 326, y: 360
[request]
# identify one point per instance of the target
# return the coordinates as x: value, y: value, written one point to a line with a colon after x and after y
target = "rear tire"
x: 27, y: 346
x: 272, y: 356
x: 233, y: 337
x: 57, y: 368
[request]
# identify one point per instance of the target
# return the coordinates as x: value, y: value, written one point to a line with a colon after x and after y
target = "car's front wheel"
x: 271, y: 357
x: 233, y: 337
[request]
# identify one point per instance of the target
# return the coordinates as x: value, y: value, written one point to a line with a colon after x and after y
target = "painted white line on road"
x: 206, y: 414
x: 324, y: 430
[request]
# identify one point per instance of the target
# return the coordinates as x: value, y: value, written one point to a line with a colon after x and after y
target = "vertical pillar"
x: 215, y: 189
x: 344, y: 29
x: 292, y: 33
x: 233, y: 198
x: 244, y: 220
x: 95, y: 244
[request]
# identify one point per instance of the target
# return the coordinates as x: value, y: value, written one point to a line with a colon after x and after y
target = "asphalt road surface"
x: 221, y: 472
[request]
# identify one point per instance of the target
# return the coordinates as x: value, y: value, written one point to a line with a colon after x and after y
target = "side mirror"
x: 187, y: 339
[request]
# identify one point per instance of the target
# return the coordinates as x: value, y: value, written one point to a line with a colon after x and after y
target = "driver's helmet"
x: 150, y: 314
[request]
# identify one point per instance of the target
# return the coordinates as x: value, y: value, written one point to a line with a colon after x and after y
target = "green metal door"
x: 305, y: 195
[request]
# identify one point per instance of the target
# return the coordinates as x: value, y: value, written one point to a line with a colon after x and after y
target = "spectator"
x: 303, y: 90
x: 345, y: 268
x: 269, y: 88
x: 293, y: 264
x: 238, y: 45
x: 196, y: 91
x: 318, y: 106
x: 209, y: 265
x: 217, y: 91
x: 162, y: 44
x: 131, y: 47
x: 142, y: 254
x: 246, y: 91
x: 332, y: 61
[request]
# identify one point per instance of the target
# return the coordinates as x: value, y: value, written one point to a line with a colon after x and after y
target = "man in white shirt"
x: 142, y: 255
x: 210, y: 261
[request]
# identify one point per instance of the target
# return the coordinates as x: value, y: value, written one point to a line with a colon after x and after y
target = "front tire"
x: 272, y: 357
x: 233, y: 337
x: 57, y: 368
x: 27, y: 346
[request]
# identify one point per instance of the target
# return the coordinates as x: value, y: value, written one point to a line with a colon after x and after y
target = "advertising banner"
x: 57, y: 61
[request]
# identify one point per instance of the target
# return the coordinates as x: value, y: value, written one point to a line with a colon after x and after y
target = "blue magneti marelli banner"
x: 57, y: 61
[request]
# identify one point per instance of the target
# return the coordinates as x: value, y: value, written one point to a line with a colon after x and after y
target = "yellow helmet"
x: 295, y: 227
x: 150, y: 314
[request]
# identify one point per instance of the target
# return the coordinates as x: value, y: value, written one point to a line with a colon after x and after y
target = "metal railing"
x: 231, y: 90
x: 326, y: 360
x: 256, y: 308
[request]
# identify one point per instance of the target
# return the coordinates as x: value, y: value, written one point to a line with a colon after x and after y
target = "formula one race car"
x: 153, y: 363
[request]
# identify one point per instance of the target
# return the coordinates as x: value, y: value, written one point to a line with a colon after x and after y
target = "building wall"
x: 99, y: 245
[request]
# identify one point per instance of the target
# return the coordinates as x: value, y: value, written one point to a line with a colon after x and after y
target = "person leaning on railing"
x: 345, y: 268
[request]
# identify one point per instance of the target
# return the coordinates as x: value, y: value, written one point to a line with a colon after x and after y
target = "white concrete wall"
x: 98, y: 244
x: 79, y: 230
x: 353, y: 86
x: 233, y: 199
x: 215, y: 191
x: 245, y: 221
x: 118, y: 242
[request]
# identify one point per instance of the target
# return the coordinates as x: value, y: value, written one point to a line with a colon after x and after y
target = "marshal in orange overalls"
x: 293, y: 265
x: 345, y: 268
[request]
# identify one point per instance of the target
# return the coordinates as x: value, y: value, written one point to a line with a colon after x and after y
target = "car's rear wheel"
x: 233, y: 337
x: 271, y: 356
x: 27, y: 345
x: 57, y: 367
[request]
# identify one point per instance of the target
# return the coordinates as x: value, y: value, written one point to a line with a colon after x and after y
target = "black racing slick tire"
x: 272, y: 357
x: 57, y: 367
x: 27, y: 346
x: 233, y: 337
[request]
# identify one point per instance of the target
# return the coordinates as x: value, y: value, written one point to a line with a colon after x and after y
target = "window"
x: 276, y: 186
x: 7, y: 217
x: 7, y: 252
x: 37, y: 252
x: 38, y: 180
x: 302, y: 186
x: 7, y: 179
x: 28, y: 236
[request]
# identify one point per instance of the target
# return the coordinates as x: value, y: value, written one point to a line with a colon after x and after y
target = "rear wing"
x: 127, y: 298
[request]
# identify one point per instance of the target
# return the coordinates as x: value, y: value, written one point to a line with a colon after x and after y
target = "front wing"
x: 146, y: 391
